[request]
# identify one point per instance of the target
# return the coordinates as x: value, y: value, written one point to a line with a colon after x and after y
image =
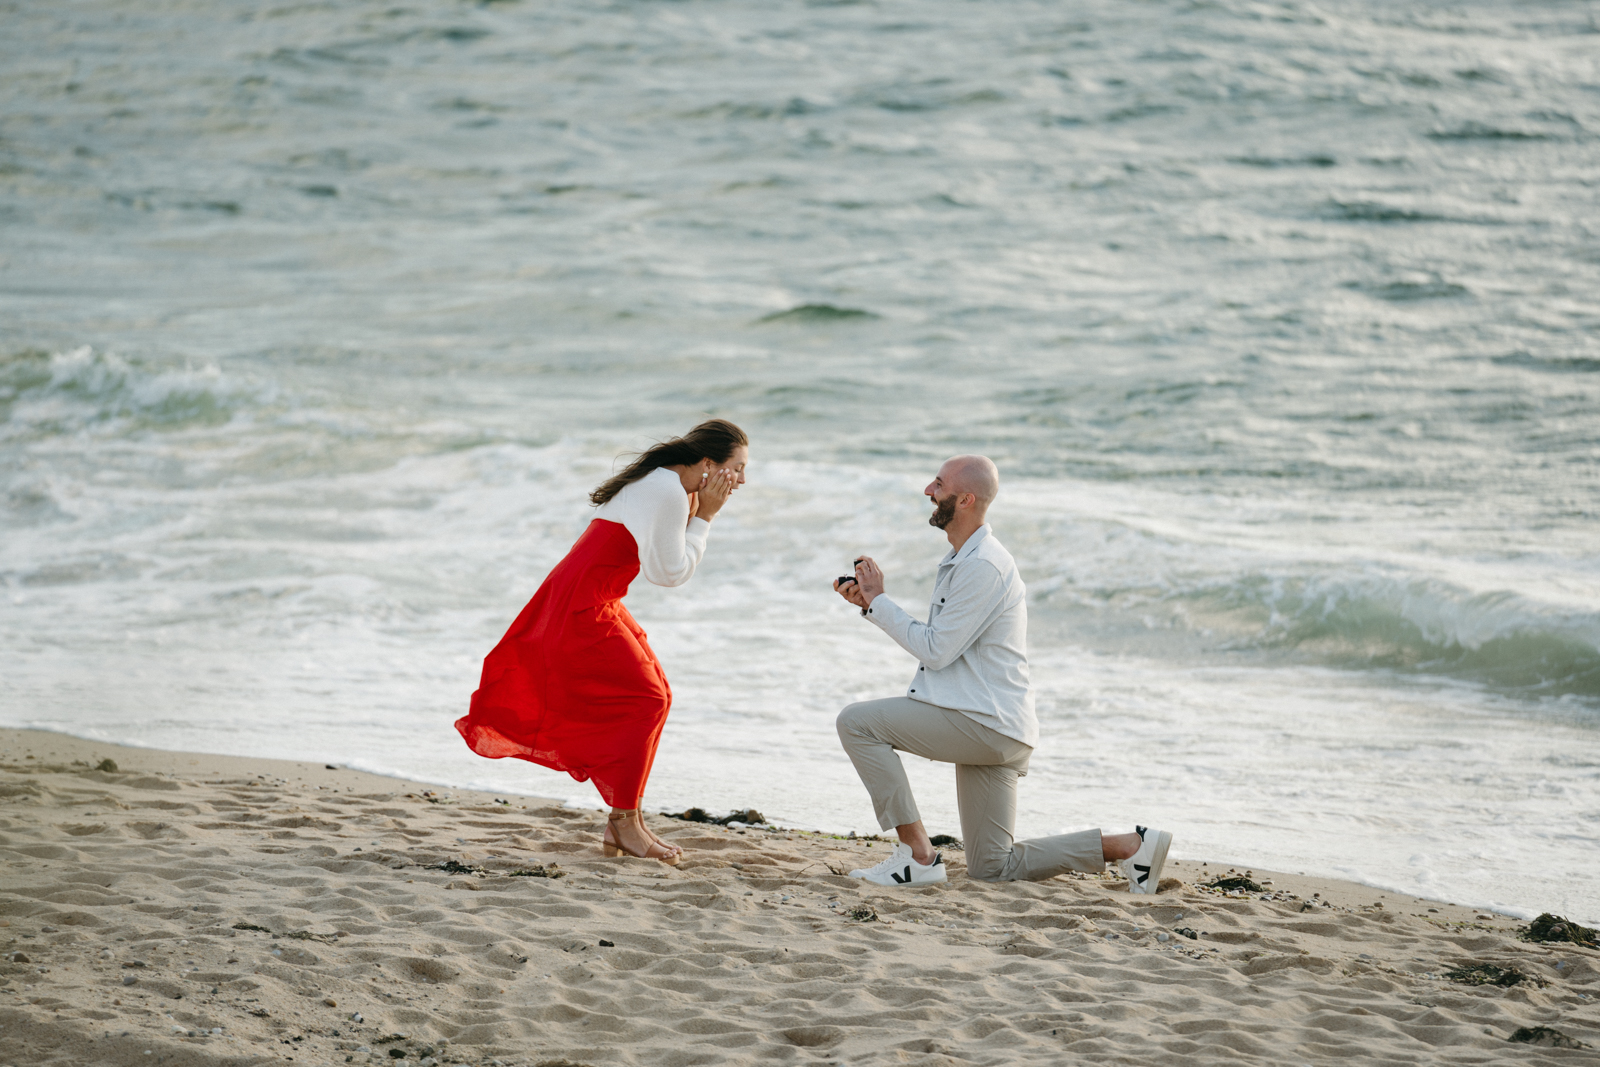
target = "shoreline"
x: 181, y: 908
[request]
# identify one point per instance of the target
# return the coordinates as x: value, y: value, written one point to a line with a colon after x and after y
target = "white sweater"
x: 655, y: 510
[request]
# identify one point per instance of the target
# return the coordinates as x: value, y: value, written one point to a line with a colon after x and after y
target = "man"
x: 969, y: 704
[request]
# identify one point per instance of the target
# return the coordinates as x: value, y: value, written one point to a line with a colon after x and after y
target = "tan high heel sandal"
x: 613, y: 849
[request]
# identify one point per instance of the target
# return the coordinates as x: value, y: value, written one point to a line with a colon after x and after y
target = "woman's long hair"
x: 714, y: 439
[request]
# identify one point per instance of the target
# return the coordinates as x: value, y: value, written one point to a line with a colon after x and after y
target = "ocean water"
x: 318, y: 321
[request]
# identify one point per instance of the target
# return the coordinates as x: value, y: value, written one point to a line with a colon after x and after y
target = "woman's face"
x: 735, y: 463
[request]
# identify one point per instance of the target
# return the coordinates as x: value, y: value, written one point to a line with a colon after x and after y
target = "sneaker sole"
x: 1158, y: 862
x: 902, y: 885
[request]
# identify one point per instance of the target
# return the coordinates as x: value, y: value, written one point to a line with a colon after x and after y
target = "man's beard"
x: 944, y: 511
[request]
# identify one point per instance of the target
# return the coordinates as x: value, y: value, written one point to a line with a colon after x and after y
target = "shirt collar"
x: 968, y: 548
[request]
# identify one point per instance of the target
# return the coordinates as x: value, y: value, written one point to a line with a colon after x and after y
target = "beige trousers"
x: 988, y: 765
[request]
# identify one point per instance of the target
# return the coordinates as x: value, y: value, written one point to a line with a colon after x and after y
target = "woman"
x: 573, y: 685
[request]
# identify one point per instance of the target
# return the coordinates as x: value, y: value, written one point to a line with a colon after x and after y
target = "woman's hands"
x: 710, y: 482
x: 715, y: 489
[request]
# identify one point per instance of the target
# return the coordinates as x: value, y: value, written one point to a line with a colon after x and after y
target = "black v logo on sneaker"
x: 1144, y: 872
x: 899, y: 879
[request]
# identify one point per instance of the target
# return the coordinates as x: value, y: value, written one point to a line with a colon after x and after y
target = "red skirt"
x: 573, y: 685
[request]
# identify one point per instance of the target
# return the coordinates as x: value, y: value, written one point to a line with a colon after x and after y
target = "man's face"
x: 944, y: 498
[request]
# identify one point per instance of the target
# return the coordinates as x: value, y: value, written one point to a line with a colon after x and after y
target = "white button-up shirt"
x: 974, y: 647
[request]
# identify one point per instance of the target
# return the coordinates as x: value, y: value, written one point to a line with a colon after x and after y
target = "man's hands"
x: 867, y: 586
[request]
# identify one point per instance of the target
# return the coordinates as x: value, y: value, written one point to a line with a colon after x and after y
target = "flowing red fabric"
x: 573, y: 685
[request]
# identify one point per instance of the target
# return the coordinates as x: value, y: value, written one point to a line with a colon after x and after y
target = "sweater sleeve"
x: 976, y: 591
x: 668, y: 551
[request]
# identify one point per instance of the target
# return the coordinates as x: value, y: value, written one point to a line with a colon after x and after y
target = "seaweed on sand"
x: 1236, y: 882
x: 1549, y: 927
x: 1544, y: 1035
x: 749, y: 816
x: 1487, y: 974
x: 540, y: 870
x: 454, y: 867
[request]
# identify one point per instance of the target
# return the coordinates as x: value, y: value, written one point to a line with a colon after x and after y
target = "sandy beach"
x: 192, y: 909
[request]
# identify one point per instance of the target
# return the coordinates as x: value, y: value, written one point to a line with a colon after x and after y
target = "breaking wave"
x: 44, y: 393
x: 1502, y: 640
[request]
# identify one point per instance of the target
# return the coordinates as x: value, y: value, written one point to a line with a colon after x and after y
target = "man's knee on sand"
x: 988, y: 864
x: 986, y: 870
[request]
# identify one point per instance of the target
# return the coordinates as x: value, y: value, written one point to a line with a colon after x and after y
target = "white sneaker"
x: 901, y: 869
x: 1143, y: 868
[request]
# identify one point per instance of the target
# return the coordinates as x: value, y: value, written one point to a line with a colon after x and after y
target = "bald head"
x: 961, y: 495
x: 972, y: 474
